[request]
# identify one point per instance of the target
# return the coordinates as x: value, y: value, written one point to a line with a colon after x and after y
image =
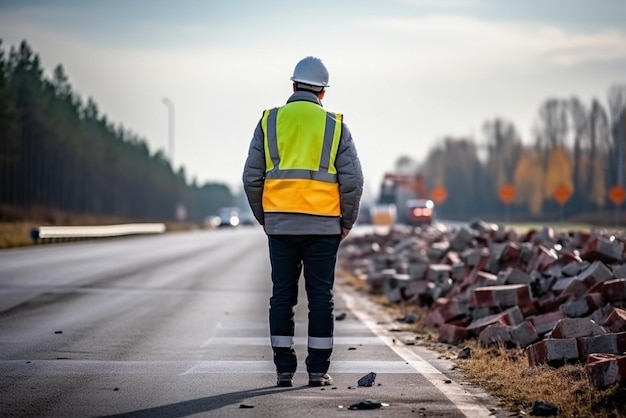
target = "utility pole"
x: 170, y: 128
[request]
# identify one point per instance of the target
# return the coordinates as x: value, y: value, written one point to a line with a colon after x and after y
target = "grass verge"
x: 505, y: 374
x: 18, y: 234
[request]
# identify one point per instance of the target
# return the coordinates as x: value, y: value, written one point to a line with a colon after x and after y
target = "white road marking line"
x: 348, y: 367
x: 464, y: 401
x: 254, y: 341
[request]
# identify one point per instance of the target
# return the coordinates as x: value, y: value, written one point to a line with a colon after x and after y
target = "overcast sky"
x: 405, y: 73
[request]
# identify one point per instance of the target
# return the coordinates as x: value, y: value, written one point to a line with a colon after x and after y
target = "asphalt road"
x: 176, y: 325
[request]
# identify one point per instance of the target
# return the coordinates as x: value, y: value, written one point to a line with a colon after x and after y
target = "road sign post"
x: 507, y: 194
x: 617, y: 194
x: 562, y: 194
x: 439, y: 195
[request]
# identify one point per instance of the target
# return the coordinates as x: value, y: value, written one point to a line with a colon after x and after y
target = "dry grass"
x: 15, y: 234
x: 505, y: 374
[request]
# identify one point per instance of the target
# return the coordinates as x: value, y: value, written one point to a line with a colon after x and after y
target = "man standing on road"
x: 303, y: 181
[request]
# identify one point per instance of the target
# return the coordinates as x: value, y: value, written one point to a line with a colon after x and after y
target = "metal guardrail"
x: 100, y: 231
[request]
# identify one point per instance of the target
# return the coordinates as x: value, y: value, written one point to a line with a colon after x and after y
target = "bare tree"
x: 504, y: 150
x: 551, y: 127
x: 579, y: 122
x: 617, y: 112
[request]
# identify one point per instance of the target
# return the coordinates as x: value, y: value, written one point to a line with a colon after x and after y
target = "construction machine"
x: 395, y: 191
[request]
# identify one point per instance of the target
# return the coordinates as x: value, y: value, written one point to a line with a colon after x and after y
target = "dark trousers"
x: 289, y: 255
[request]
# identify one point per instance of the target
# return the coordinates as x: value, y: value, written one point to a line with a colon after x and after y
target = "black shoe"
x: 320, y: 379
x: 284, y: 379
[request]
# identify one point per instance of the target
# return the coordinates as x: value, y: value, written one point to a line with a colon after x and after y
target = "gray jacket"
x: 349, y: 177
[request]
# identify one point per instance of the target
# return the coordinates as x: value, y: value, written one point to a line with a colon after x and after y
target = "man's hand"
x: 344, y: 233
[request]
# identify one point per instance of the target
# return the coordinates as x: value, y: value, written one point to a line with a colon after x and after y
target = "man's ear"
x: 321, y: 94
x: 294, y: 87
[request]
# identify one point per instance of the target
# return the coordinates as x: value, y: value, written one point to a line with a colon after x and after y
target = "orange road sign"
x: 562, y: 194
x: 617, y: 194
x: 439, y: 195
x: 507, y: 193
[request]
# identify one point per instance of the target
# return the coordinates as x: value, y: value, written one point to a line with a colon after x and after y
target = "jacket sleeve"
x: 254, y: 174
x: 350, y: 178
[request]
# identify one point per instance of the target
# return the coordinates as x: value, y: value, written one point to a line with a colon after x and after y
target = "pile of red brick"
x: 560, y: 296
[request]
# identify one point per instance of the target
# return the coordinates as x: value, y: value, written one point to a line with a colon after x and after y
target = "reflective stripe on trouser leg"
x: 318, y: 360
x: 282, y: 341
x: 284, y: 353
x: 321, y: 343
x: 319, y: 352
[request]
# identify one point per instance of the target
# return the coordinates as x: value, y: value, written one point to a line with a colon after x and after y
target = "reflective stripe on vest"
x: 301, y: 140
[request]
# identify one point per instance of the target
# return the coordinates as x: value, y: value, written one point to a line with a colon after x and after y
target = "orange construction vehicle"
x: 395, y: 190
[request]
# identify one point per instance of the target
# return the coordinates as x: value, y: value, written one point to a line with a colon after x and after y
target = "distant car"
x: 420, y: 212
x: 229, y: 217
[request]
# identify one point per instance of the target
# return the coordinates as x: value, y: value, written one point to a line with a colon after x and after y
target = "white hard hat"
x: 311, y: 71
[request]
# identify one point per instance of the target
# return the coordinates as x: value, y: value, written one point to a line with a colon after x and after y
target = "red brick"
x: 595, y: 273
x: 616, y: 320
x: 554, y: 352
x: 571, y: 258
x: 606, y: 343
x: 583, y: 306
x: 418, y: 269
x: 596, y: 288
x: 619, y: 271
x: 621, y: 342
x: 502, y: 296
x: 452, y: 334
x: 515, y: 276
x: 574, y: 289
x: 452, y: 258
x: 544, y: 259
x: 444, y: 310
x: 524, y: 334
x: 545, y: 322
x: 484, y: 278
x: 438, y: 272
x: 496, y: 334
x: 549, y: 303
x: 459, y: 271
x: 602, y: 249
x: 614, y: 290
x: 512, y: 316
x: 576, y: 327
x: 510, y: 252
x: 604, y: 370
x: 481, y: 264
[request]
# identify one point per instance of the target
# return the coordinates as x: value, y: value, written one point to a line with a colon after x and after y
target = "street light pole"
x: 170, y: 123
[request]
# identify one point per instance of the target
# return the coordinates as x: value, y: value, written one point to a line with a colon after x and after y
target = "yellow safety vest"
x: 301, y: 141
